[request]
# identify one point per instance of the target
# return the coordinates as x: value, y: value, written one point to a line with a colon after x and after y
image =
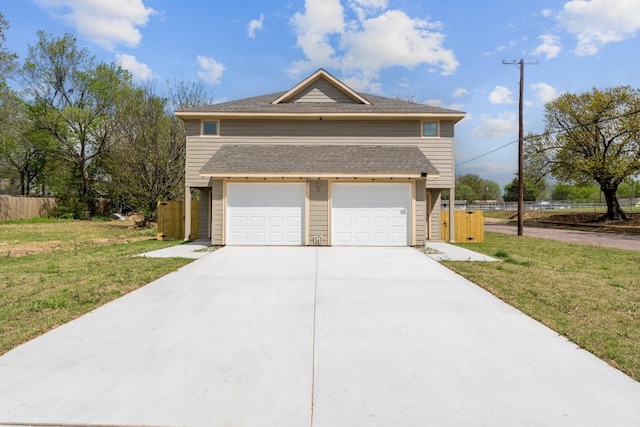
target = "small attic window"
x: 430, y: 129
x: 210, y: 128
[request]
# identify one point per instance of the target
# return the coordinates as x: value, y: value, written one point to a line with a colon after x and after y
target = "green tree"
x: 586, y: 193
x: 593, y: 136
x: 629, y: 189
x: 24, y: 150
x: 534, y: 189
x: 7, y: 59
x: 75, y: 99
x: 148, y: 163
x: 471, y: 187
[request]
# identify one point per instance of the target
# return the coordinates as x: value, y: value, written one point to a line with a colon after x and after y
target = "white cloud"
x: 544, y: 92
x: 510, y: 45
x: 505, y: 124
x: 549, y: 46
x: 370, y: 4
x: 363, y: 82
x: 137, y: 69
x: 546, y: 12
x: 459, y: 92
x: 434, y: 102
x: 255, y: 25
x: 598, y: 22
x: 393, y: 39
x: 501, y: 95
x: 440, y: 103
x: 376, y: 39
x: 364, y: 8
x: 107, y: 23
x: 210, y: 70
x: 321, y: 19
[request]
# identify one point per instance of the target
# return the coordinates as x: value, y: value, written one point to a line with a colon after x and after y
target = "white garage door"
x: 370, y: 214
x: 265, y: 213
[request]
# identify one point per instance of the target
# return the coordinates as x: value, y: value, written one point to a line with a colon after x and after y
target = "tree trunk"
x: 23, y: 188
x: 614, y: 211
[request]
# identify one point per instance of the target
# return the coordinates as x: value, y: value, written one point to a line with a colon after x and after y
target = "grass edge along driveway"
x: 589, y: 294
x: 39, y: 292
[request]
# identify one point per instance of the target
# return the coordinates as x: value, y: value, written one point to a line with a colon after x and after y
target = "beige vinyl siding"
x: 199, y: 151
x: 439, y: 151
x: 446, y: 129
x: 193, y: 127
x: 440, y: 154
x: 319, y: 211
x: 217, y: 212
x: 321, y: 128
x: 205, y: 218
x: 421, y: 213
x: 322, y: 91
x: 435, y: 214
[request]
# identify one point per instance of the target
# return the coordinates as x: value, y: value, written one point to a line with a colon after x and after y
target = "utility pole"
x: 521, y: 65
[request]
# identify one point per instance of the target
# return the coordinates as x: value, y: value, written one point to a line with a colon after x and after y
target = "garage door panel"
x: 397, y: 222
x: 257, y: 221
x: 255, y: 237
x: 380, y: 222
x: 265, y: 213
x: 370, y: 214
x: 294, y: 222
x: 276, y: 221
x: 362, y: 238
x: 362, y: 222
x: 380, y: 238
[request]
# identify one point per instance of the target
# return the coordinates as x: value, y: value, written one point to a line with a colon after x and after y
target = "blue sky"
x: 444, y: 53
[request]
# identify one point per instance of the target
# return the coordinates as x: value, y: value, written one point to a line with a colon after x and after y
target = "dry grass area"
x: 55, y: 271
x: 589, y: 294
x: 19, y: 238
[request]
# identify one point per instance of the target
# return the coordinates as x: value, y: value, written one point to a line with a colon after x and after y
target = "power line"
x: 520, y: 65
x: 487, y: 153
x: 595, y: 122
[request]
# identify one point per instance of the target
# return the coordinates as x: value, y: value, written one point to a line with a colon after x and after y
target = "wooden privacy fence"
x: 469, y: 226
x: 12, y: 208
x: 171, y: 220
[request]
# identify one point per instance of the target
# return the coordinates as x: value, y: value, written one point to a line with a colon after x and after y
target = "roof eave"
x: 321, y: 73
x: 199, y: 115
x: 311, y: 175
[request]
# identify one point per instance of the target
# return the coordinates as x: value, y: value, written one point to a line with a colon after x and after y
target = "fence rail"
x: 554, y: 205
x: 12, y: 207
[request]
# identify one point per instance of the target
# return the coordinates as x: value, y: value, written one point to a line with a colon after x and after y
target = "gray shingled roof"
x: 318, y: 159
x: 263, y: 104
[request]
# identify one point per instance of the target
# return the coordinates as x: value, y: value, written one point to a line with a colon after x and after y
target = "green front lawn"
x: 589, y: 294
x: 70, y: 269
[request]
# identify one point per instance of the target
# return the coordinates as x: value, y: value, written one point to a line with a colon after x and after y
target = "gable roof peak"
x: 321, y: 73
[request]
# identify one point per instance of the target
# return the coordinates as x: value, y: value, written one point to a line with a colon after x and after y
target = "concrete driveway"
x: 249, y: 336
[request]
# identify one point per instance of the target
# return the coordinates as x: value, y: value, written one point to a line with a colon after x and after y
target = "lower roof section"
x: 313, y: 161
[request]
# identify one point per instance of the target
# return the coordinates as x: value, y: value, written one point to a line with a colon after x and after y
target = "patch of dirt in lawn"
x: 33, y: 248
x: 36, y: 238
x: 588, y: 221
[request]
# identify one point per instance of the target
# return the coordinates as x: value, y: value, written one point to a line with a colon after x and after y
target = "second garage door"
x: 265, y: 213
x: 370, y: 214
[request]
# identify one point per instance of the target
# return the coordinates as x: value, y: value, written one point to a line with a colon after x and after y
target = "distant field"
x: 54, y: 271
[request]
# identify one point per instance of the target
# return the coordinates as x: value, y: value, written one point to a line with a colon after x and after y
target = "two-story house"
x: 319, y: 164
